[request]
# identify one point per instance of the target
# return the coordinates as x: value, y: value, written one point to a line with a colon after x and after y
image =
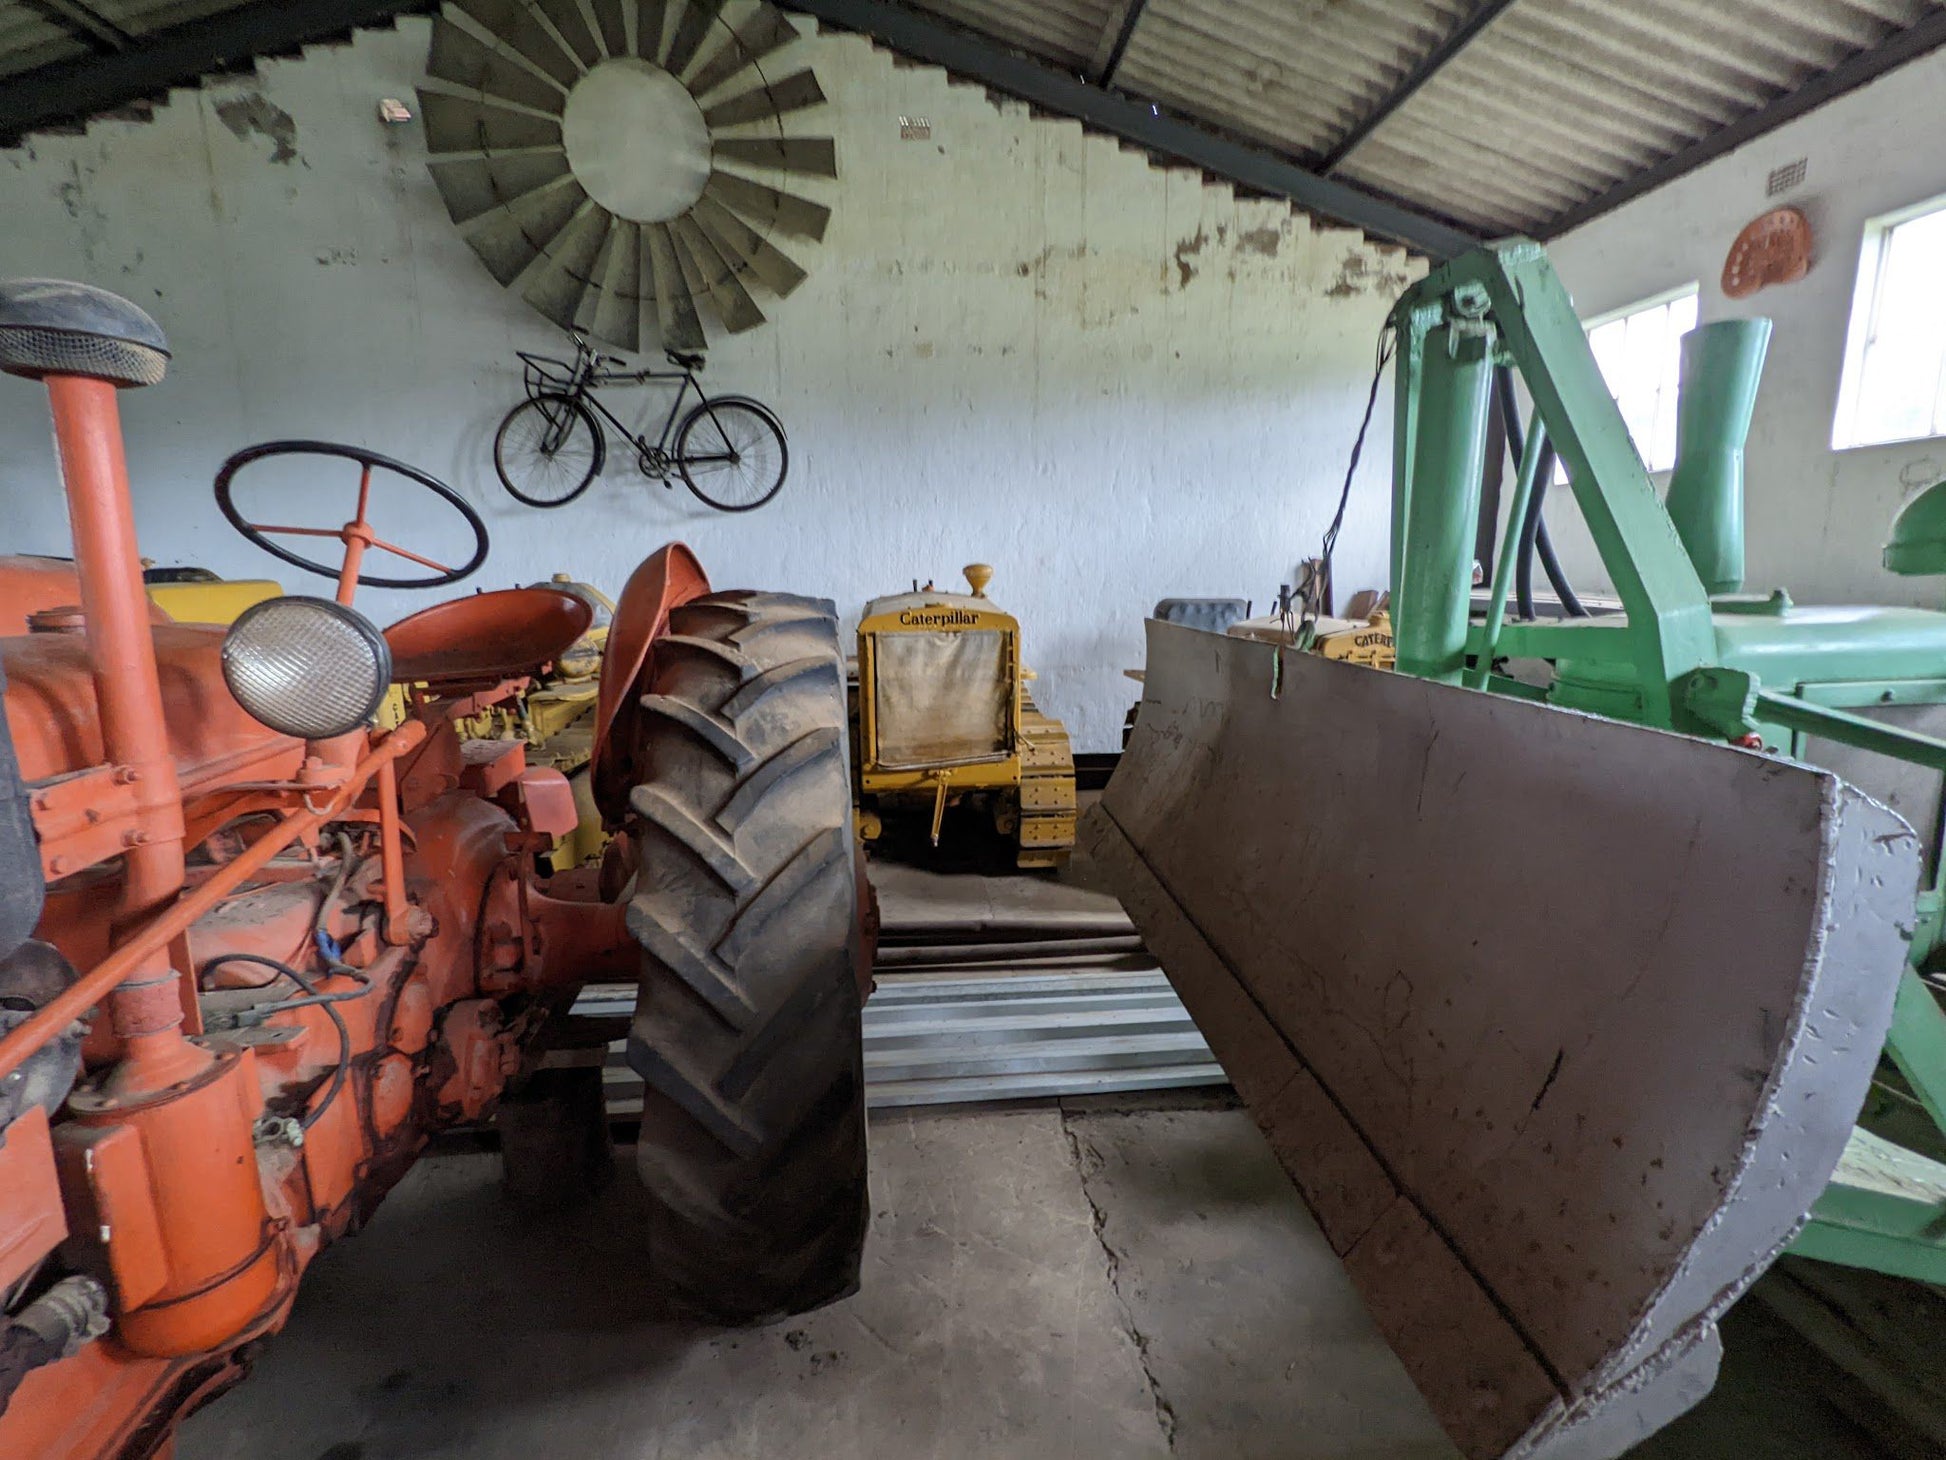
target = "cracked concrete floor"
x: 1100, y: 1282
x: 1108, y: 1283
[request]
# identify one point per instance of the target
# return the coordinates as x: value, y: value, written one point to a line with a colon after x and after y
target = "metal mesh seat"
x: 52, y: 327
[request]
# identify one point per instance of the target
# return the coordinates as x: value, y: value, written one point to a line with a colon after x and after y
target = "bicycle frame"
x: 585, y: 376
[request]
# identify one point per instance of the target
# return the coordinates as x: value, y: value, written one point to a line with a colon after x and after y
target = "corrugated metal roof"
x: 1500, y: 115
x: 1550, y: 105
x: 1062, y: 31
x: 34, y: 34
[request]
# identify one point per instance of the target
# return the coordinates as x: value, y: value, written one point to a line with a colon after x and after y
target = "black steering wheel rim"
x: 226, y: 474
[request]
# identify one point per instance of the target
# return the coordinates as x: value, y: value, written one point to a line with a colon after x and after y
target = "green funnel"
x: 1721, y: 364
x: 1918, y: 542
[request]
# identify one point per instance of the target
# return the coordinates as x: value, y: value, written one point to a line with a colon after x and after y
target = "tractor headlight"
x: 307, y: 666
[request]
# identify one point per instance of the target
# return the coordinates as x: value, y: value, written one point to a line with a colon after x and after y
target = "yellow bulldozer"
x: 941, y: 715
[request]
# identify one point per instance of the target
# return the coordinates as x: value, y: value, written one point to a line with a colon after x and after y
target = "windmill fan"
x: 598, y: 156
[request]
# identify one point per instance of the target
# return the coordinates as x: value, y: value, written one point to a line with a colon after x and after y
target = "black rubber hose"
x: 1533, y: 528
x: 1551, y: 565
x: 311, y: 996
x: 1503, y: 393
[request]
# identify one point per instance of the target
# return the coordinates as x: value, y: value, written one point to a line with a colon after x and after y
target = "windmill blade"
x: 509, y: 239
x: 691, y: 31
x: 709, y: 272
x: 463, y: 59
x: 649, y: 15
x: 556, y: 281
x: 574, y: 27
x: 811, y: 156
x: 516, y: 26
x: 499, y: 75
x: 473, y: 184
x: 769, y: 29
x: 617, y: 313
x: 479, y: 124
x: 766, y: 209
x: 748, y: 251
x: 610, y: 26
x: 675, y: 311
x: 794, y: 93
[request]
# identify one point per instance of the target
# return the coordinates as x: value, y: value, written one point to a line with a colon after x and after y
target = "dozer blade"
x: 1558, y: 1024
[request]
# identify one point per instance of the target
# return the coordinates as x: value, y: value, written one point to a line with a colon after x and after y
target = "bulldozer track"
x: 1047, y: 805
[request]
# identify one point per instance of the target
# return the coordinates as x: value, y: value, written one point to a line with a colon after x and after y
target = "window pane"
x: 1662, y: 438
x: 1899, y: 370
x: 1640, y: 358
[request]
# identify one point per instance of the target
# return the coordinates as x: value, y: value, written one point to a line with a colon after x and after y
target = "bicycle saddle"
x: 686, y: 362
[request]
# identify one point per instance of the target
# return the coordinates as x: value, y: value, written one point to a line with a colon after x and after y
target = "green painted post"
x: 1433, y: 590
x: 1721, y: 364
x: 1503, y: 571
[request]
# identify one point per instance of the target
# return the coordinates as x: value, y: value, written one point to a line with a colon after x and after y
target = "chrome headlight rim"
x: 236, y: 656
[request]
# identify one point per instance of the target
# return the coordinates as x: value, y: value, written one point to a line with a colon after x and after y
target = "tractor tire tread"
x: 747, y: 1032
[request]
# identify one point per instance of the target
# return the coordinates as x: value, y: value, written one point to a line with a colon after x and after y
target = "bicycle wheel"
x: 548, y: 449
x: 731, y: 451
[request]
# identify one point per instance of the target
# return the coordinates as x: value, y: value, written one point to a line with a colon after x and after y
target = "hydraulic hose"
x: 1533, y: 530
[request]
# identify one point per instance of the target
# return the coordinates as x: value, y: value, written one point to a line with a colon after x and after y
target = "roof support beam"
x: 69, y: 91
x: 1117, y: 35
x: 1138, y: 122
x: 1854, y: 71
x: 87, y: 25
x: 1430, y: 65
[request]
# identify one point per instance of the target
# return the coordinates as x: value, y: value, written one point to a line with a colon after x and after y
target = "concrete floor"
x: 1103, y: 1282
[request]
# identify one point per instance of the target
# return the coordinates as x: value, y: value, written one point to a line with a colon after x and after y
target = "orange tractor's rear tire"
x: 746, y: 1032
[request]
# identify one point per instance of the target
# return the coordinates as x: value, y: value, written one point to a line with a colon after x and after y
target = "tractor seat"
x: 684, y: 361
x: 486, y: 638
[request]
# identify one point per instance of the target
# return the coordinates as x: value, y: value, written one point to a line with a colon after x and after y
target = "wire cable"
x: 312, y: 998
x: 1313, y: 605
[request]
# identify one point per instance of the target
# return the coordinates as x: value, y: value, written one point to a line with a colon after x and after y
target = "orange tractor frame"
x: 244, y: 975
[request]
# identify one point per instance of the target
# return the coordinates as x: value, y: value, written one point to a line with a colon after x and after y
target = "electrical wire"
x: 347, y: 861
x: 1320, y: 585
x: 312, y: 998
x: 327, y: 946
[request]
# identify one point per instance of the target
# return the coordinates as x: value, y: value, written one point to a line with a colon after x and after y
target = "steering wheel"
x: 357, y: 534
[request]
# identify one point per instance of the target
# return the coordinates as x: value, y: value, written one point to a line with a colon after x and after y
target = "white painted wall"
x: 1816, y: 517
x: 1018, y: 344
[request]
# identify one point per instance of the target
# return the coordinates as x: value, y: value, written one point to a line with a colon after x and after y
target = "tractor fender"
x: 666, y: 579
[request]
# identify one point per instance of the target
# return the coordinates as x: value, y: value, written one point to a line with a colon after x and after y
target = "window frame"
x: 1661, y: 300
x: 1873, y: 241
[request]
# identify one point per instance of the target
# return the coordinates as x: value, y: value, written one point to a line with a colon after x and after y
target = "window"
x: 1894, y: 382
x: 1639, y: 350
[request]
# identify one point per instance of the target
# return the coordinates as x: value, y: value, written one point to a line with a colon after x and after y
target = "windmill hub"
x: 636, y: 140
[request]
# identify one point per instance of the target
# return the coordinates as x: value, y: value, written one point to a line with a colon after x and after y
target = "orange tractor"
x: 255, y: 951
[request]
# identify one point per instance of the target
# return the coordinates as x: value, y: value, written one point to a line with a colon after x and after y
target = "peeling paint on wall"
x: 1359, y: 273
x: 1265, y: 240
x: 1188, y: 249
x: 254, y: 114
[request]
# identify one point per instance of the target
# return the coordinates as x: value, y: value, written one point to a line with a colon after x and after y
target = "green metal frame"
x: 1670, y: 659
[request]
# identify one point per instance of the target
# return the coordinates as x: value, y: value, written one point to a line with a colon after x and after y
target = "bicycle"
x: 728, y: 449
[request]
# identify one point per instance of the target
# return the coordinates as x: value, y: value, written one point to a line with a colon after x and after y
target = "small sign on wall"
x: 915, y: 129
